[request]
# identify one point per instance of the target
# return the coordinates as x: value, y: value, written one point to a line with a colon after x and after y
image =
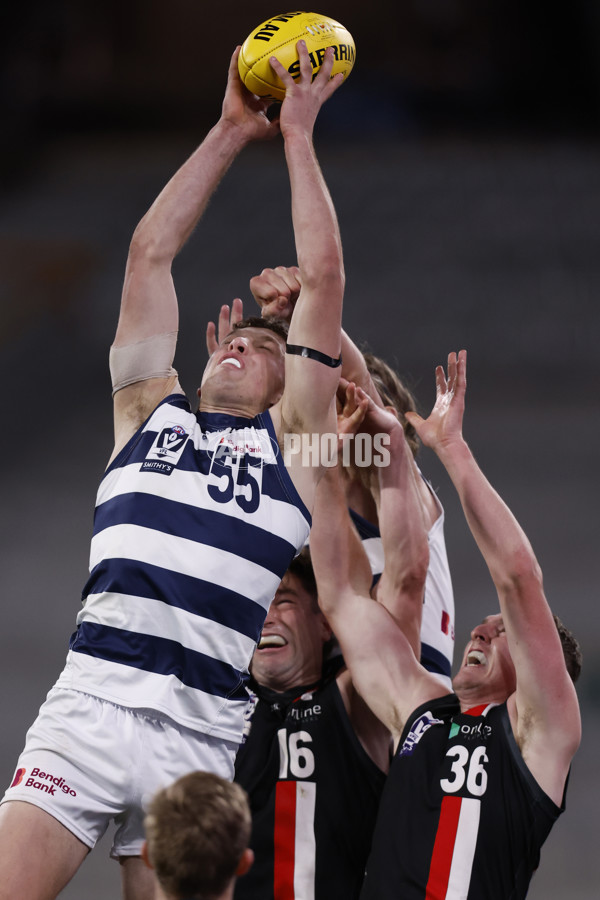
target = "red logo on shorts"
x: 18, y: 777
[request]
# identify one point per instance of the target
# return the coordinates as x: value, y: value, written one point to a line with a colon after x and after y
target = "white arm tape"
x: 151, y: 358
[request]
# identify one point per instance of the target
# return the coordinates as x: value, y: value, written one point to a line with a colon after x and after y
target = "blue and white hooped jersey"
x: 196, y: 522
x: 437, y: 624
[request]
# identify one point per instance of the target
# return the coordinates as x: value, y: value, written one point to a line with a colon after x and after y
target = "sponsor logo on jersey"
x: 18, y: 777
x: 470, y: 732
x: 419, y: 727
x: 311, y: 714
x: 246, y: 448
x: 48, y: 783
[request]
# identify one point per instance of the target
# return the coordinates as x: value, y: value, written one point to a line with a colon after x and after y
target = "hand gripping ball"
x: 278, y: 37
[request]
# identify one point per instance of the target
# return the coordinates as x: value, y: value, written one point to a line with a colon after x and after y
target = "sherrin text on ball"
x: 278, y: 37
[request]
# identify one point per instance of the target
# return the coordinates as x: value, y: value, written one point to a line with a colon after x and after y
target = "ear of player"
x: 278, y: 37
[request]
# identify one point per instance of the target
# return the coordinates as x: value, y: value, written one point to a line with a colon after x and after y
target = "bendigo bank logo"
x: 18, y: 777
x: 43, y: 781
x: 240, y: 449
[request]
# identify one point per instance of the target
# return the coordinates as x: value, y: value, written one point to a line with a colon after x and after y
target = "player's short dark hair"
x: 278, y: 326
x: 301, y: 567
x: 571, y: 649
x: 393, y: 392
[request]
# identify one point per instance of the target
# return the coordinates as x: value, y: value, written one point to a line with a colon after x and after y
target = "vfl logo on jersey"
x: 166, y: 450
x: 419, y: 727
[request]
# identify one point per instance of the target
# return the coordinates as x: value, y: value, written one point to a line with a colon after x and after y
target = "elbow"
x: 147, y: 248
x: 326, y: 276
x: 411, y: 582
x: 412, y: 576
x: 522, y: 572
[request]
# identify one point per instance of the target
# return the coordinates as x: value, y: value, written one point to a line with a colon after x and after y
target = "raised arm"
x: 307, y: 403
x: 149, y: 303
x: 381, y: 661
x: 403, y: 530
x: 543, y: 686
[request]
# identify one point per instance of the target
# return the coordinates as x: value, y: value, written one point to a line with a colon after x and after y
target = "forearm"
x: 174, y: 214
x: 340, y: 563
x: 149, y: 302
x: 318, y: 247
x: 404, y: 540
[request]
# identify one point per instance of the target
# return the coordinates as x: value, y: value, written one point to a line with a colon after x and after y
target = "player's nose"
x: 238, y: 343
x: 481, y: 632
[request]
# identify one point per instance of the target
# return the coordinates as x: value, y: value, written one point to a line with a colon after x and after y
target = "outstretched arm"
x: 403, y: 531
x: 382, y: 664
x: 307, y: 402
x: 149, y: 303
x: 276, y: 292
x: 399, y: 508
x: 547, y: 740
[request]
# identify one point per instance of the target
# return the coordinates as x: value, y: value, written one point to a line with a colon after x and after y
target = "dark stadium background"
x: 463, y: 157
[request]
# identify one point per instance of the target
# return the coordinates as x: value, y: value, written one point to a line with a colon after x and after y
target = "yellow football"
x: 278, y: 37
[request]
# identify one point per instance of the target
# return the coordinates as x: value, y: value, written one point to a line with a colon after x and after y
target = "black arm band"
x: 296, y: 350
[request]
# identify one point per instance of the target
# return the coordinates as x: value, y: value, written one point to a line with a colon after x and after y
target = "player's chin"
x: 468, y: 674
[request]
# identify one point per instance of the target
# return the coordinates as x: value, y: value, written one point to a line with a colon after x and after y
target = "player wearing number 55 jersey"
x: 196, y: 521
x: 194, y: 527
x: 478, y: 776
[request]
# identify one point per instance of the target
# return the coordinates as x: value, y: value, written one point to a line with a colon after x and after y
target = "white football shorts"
x: 87, y: 761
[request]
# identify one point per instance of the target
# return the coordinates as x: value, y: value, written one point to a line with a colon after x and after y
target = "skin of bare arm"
x: 380, y: 659
x: 308, y: 400
x: 307, y: 404
x: 401, y: 516
x: 149, y: 302
x: 276, y: 292
x: 542, y: 702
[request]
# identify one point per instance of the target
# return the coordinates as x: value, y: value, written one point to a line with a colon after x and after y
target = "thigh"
x: 39, y: 855
x: 75, y: 764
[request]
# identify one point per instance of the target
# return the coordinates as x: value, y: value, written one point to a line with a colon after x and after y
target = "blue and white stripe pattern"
x: 196, y: 523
